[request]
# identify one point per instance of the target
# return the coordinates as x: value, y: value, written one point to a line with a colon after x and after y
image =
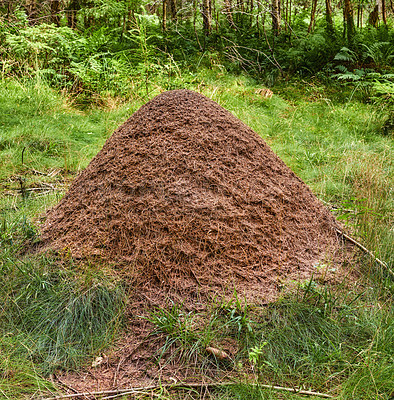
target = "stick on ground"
x: 359, y: 245
x: 139, y: 390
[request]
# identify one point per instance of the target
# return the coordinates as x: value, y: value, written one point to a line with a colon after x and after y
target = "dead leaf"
x: 219, y: 354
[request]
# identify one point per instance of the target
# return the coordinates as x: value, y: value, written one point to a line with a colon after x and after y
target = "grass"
x: 327, y: 339
x: 57, y: 313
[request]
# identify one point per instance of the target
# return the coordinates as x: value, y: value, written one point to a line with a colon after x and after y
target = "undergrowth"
x: 57, y: 313
x: 333, y: 340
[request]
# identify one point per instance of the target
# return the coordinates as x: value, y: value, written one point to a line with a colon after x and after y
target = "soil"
x: 187, y: 201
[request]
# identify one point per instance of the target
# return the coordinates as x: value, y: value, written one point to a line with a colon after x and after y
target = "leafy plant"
x: 381, y: 53
x: 237, y: 315
x: 256, y: 355
x: 43, y: 47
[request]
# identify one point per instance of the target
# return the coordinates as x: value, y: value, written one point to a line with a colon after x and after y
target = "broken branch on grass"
x: 359, y: 245
x: 131, y: 392
x: 139, y: 390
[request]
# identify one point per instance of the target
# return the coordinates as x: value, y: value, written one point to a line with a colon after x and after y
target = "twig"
x: 380, y: 262
x: 38, y: 172
x: 64, y: 384
x: 131, y: 392
x: 187, y: 386
x: 23, y: 152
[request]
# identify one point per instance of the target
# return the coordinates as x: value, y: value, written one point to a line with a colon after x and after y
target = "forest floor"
x: 60, y: 315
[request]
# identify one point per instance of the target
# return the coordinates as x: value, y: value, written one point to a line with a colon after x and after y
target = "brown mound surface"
x: 187, y: 195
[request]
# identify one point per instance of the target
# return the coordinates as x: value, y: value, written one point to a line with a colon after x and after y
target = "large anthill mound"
x: 186, y: 195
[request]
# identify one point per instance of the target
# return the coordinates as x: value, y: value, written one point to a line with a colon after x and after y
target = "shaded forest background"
x: 90, y: 46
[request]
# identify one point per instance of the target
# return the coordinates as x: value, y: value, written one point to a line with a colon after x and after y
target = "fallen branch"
x: 131, y: 392
x: 139, y: 390
x: 359, y: 245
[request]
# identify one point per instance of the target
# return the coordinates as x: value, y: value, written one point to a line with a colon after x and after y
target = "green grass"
x: 330, y: 340
x: 57, y: 313
x: 48, y: 131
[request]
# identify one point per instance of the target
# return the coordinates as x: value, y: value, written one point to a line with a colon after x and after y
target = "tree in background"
x: 313, y: 14
x: 55, y: 9
x: 329, y: 21
x: 250, y: 35
x: 348, y: 21
x: 276, y: 17
x: 207, y: 16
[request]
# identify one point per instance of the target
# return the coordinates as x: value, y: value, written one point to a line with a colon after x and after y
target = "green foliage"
x: 316, y: 339
x: 118, y: 42
x: 104, y: 10
x: 380, y: 53
x: 238, y: 317
x: 43, y: 49
x: 247, y: 391
x: 308, y: 54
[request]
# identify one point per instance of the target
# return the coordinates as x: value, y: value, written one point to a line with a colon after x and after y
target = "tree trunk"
x: 361, y: 17
x: 329, y: 20
x: 384, y: 14
x: 207, y: 16
x: 276, y: 17
x: 228, y: 10
x: 349, y: 21
x: 31, y: 10
x: 55, y: 8
x: 285, y: 13
x: 164, y: 15
x: 173, y: 9
x: 373, y: 18
x: 313, y: 14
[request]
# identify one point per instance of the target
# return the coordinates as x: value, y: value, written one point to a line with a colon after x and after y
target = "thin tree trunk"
x: 361, y: 17
x: 228, y: 10
x: 207, y: 16
x: 164, y: 15
x: 349, y: 21
x: 384, y: 15
x: 55, y: 8
x: 373, y: 18
x: 194, y: 23
x: 313, y: 14
x: 286, y: 13
x: 173, y: 9
x: 258, y: 17
x: 329, y: 20
x: 276, y: 17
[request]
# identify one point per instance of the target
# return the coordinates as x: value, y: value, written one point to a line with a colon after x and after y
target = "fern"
x: 346, y: 54
x: 380, y: 53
